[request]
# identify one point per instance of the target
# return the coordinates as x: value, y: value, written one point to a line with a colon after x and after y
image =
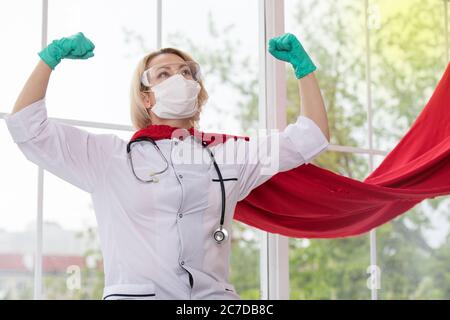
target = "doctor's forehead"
x: 165, y: 58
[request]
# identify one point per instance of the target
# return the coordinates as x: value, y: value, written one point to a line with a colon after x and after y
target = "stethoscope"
x: 220, y: 234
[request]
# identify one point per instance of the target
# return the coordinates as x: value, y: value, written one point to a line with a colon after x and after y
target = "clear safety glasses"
x: 160, y: 72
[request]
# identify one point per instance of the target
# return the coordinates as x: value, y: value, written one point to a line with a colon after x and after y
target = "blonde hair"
x: 139, y: 114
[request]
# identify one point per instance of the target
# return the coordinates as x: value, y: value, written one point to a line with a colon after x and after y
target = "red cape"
x: 312, y: 202
x: 163, y: 131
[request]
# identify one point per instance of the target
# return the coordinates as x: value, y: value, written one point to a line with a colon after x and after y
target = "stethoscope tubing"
x: 220, y: 234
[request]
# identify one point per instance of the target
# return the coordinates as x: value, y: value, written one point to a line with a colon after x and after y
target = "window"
x: 18, y: 188
x: 17, y: 63
x: 406, y: 59
x: 98, y: 89
x: 408, y: 56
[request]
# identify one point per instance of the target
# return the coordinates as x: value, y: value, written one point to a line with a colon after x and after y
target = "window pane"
x: 408, y: 43
x: 332, y: 268
x: 414, y: 254
x: 337, y: 48
x: 20, y: 47
x: 18, y: 210
x: 19, y: 177
x: 224, y: 41
x: 97, y: 89
x: 408, y: 59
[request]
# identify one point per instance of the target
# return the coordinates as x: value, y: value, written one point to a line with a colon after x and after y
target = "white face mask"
x: 176, y: 98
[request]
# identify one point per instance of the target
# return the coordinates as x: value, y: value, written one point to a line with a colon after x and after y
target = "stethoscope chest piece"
x: 220, y: 235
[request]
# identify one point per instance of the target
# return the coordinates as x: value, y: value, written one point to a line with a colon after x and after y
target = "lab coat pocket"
x: 229, y: 173
x: 230, y: 179
x: 130, y: 292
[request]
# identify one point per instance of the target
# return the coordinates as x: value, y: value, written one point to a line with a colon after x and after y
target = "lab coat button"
x: 181, y: 176
x: 176, y: 143
x: 180, y: 215
x: 182, y: 263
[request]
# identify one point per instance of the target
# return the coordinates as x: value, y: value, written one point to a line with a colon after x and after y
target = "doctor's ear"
x: 148, y: 97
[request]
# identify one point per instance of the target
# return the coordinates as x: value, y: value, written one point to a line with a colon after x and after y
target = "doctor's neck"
x: 177, y: 123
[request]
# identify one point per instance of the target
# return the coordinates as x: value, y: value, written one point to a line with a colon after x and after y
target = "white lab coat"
x: 156, y: 238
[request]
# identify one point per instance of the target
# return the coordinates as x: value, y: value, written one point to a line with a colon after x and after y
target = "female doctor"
x: 164, y: 223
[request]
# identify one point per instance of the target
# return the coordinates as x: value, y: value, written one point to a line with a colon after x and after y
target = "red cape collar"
x: 162, y: 131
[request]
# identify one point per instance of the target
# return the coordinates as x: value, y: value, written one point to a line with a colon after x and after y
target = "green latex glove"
x: 288, y: 48
x: 76, y: 46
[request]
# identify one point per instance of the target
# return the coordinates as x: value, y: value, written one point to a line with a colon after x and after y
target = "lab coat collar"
x: 162, y: 131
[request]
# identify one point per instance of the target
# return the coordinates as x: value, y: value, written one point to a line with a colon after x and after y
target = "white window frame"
x: 274, y: 262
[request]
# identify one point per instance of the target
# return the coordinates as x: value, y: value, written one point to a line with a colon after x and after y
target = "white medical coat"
x: 156, y: 238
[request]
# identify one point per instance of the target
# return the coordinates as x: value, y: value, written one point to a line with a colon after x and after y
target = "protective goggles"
x: 160, y: 72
